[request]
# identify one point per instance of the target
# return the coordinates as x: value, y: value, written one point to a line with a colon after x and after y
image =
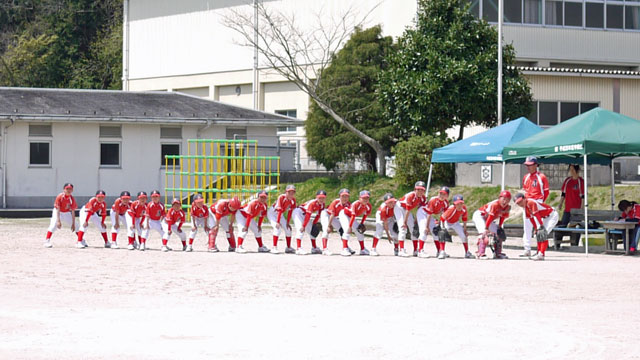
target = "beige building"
x: 577, y: 54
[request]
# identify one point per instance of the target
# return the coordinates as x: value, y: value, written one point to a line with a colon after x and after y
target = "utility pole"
x: 256, y: 79
x: 500, y: 11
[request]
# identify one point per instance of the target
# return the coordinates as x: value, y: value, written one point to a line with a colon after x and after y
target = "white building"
x: 112, y: 140
x: 577, y: 54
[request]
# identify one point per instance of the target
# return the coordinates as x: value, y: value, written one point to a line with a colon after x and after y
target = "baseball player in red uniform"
x: 172, y: 222
x: 484, y: 219
x: 219, y: 214
x: 450, y: 220
x: 572, y: 195
x: 118, y: 218
x: 285, y: 203
x: 347, y: 216
x: 90, y: 211
x: 135, y: 219
x: 245, y: 218
x: 302, y: 221
x: 630, y: 213
x: 541, y: 217
x: 427, y: 216
x: 385, y: 220
x: 536, y: 187
x: 155, y: 214
x: 329, y: 217
x: 199, y: 219
x: 64, y: 208
x: 405, y: 218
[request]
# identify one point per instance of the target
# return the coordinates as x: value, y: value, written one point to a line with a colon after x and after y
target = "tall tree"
x: 444, y: 73
x: 348, y: 86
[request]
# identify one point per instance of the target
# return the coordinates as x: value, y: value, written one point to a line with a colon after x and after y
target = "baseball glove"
x: 542, y: 235
x: 436, y: 230
x: 416, y: 231
x: 502, y: 236
x: 315, y: 229
x: 395, y: 228
x: 340, y: 231
x: 362, y: 228
x: 443, y: 235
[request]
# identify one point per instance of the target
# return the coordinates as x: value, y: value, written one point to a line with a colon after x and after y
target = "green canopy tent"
x: 597, y: 136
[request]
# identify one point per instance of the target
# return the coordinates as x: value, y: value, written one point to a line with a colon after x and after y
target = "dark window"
x: 109, y: 154
x: 584, y: 107
x: 290, y: 113
x: 532, y: 12
x: 573, y: 14
x: 512, y: 11
x: 594, y: 14
x: 170, y: 149
x: 553, y: 10
x: 614, y: 17
x: 568, y: 110
x: 39, y: 130
x: 533, y: 117
x: 490, y: 10
x: 632, y: 17
x: 548, y: 113
x: 39, y: 153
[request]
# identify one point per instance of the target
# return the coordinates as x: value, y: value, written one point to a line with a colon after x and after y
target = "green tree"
x: 29, y: 62
x: 413, y: 158
x: 348, y: 86
x: 444, y: 73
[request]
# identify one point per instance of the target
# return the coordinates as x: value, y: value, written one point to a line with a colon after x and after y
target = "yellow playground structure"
x: 220, y: 169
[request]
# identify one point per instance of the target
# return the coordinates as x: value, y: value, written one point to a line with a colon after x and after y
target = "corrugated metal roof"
x: 577, y: 70
x: 132, y: 106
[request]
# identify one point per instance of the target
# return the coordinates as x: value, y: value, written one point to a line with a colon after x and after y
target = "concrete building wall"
x: 630, y: 97
x: 573, y: 88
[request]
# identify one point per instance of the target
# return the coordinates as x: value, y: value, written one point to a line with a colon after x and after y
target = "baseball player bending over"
x: 427, y: 216
x: 360, y: 207
x: 303, y: 224
x: 245, y: 218
x: 541, y: 218
x: 384, y: 222
x: 64, y: 208
x: 329, y: 218
x: 450, y: 220
x: 285, y: 203
x: 90, y: 211
x: 484, y: 219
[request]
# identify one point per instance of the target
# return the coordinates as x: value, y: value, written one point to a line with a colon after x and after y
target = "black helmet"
x: 420, y: 185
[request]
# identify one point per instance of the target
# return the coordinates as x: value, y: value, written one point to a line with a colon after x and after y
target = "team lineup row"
x: 394, y: 219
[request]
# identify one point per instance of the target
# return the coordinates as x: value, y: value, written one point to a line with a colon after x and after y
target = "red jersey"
x: 453, y: 215
x: 536, y: 186
x: 119, y: 207
x: 336, y: 206
x: 411, y: 201
x: 155, y: 211
x: 493, y: 210
x: 93, y: 207
x: 385, y: 212
x: 137, y: 210
x: 174, y: 217
x: 221, y: 208
x: 283, y: 204
x: 633, y: 213
x: 65, y: 203
x: 436, y: 206
x: 573, y: 192
x: 357, y: 209
x: 199, y: 211
x: 537, y: 211
x: 309, y: 208
x: 254, y: 209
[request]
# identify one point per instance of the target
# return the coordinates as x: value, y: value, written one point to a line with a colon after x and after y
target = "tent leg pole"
x: 503, y: 166
x: 586, y: 207
x: 429, y: 179
x: 613, y: 184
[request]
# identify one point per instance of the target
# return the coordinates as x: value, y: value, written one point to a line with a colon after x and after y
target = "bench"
x: 576, y: 225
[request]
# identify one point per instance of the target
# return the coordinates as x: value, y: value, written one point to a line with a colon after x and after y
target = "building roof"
x: 126, y: 106
x: 578, y: 71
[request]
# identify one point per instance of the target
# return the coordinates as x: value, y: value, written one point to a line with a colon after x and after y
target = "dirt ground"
x: 97, y: 303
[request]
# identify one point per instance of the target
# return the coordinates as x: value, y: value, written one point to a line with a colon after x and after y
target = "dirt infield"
x: 96, y: 303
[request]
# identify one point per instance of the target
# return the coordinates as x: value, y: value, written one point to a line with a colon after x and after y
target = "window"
x: 584, y: 107
x: 39, y: 130
x: 632, y: 17
x: 290, y: 113
x: 594, y: 15
x: 532, y: 12
x: 573, y: 14
x: 170, y: 133
x: 553, y: 12
x: 110, y: 154
x: 40, y: 153
x: 512, y: 11
x: 110, y: 131
x: 169, y: 149
x: 568, y: 110
x: 490, y: 10
x: 548, y: 113
x: 287, y: 129
x: 475, y: 7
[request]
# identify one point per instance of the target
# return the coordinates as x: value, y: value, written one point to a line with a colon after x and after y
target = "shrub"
x: 413, y: 158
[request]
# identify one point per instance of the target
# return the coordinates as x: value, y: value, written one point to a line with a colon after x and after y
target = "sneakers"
x: 107, y: 245
x: 184, y: 247
x: 231, y: 249
x: 48, y: 244
x: 131, y: 247
x: 364, y: 252
x: 274, y: 250
x: 415, y: 253
x: 403, y: 253
x: 79, y: 245
x: 84, y: 243
x: 351, y: 251
x: 469, y: 255
x: 316, y: 251
x: 189, y: 248
x: 326, y: 252
x: 136, y: 244
x: 114, y: 245
x: 143, y: 247
x: 263, y: 249
x: 395, y: 252
x: 482, y: 257
x: 537, y: 257
x: 289, y: 250
x: 301, y: 251
x: 527, y: 253
x: 345, y: 252
x: 423, y: 254
x: 442, y: 255
x: 165, y: 248
x: 374, y: 252
x: 500, y: 256
x: 241, y: 250
x: 213, y: 249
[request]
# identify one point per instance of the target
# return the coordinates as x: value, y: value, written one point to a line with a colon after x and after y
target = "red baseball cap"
x: 506, y: 194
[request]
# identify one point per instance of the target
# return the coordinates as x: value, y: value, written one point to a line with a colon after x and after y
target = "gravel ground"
x: 97, y: 303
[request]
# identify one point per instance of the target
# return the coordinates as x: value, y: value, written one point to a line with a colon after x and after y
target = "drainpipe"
x: 4, y: 162
x: 125, y: 46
